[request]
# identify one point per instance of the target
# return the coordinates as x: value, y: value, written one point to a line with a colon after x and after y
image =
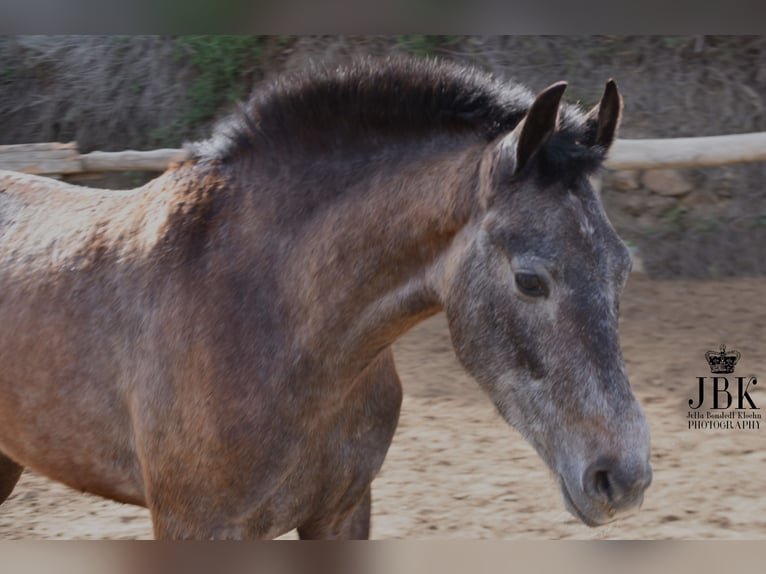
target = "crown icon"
x: 722, y: 362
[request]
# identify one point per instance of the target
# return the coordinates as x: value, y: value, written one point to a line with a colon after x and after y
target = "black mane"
x: 324, y: 108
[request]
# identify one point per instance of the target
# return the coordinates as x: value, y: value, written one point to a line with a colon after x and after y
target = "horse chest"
x: 352, y: 436
x: 340, y: 451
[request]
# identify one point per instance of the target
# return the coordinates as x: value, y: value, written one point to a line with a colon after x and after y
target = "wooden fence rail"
x: 687, y: 152
x: 65, y: 159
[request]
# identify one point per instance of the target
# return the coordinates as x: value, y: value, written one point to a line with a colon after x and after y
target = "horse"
x: 216, y: 344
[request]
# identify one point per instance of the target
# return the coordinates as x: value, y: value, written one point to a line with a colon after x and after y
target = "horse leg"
x: 376, y: 413
x: 9, y: 476
x: 354, y: 525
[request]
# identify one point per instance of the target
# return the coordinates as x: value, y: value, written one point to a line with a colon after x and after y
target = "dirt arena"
x: 456, y: 470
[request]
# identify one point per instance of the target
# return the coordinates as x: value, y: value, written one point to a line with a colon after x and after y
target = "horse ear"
x: 516, y: 149
x: 604, y: 119
x: 539, y: 124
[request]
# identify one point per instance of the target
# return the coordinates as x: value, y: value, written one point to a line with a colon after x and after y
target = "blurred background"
x: 145, y: 92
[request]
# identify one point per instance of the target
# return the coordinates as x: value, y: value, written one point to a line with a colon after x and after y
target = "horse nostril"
x: 617, y: 483
x: 598, y: 483
x: 601, y: 483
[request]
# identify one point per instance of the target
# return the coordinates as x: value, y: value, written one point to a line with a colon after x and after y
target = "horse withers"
x: 216, y: 345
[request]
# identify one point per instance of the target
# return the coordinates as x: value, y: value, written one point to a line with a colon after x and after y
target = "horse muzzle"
x: 606, y: 490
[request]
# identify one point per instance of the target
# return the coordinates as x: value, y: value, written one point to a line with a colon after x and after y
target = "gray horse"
x: 216, y: 345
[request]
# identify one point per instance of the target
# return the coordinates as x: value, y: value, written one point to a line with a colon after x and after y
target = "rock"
x: 638, y: 260
x: 646, y: 222
x: 702, y: 199
x: 725, y: 192
x: 639, y: 202
x: 623, y: 180
x: 632, y: 204
x: 666, y: 182
x: 659, y: 204
x: 597, y: 182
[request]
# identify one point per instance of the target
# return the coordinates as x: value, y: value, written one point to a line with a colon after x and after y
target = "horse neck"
x: 362, y: 272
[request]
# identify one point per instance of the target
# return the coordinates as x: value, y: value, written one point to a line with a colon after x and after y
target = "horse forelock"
x: 568, y: 157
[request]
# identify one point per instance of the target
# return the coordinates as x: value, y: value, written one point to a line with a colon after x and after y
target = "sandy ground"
x: 456, y: 470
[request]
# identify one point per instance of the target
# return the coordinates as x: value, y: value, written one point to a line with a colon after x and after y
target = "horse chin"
x: 593, y: 516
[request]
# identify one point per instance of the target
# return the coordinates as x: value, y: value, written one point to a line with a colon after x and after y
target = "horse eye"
x: 531, y: 284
